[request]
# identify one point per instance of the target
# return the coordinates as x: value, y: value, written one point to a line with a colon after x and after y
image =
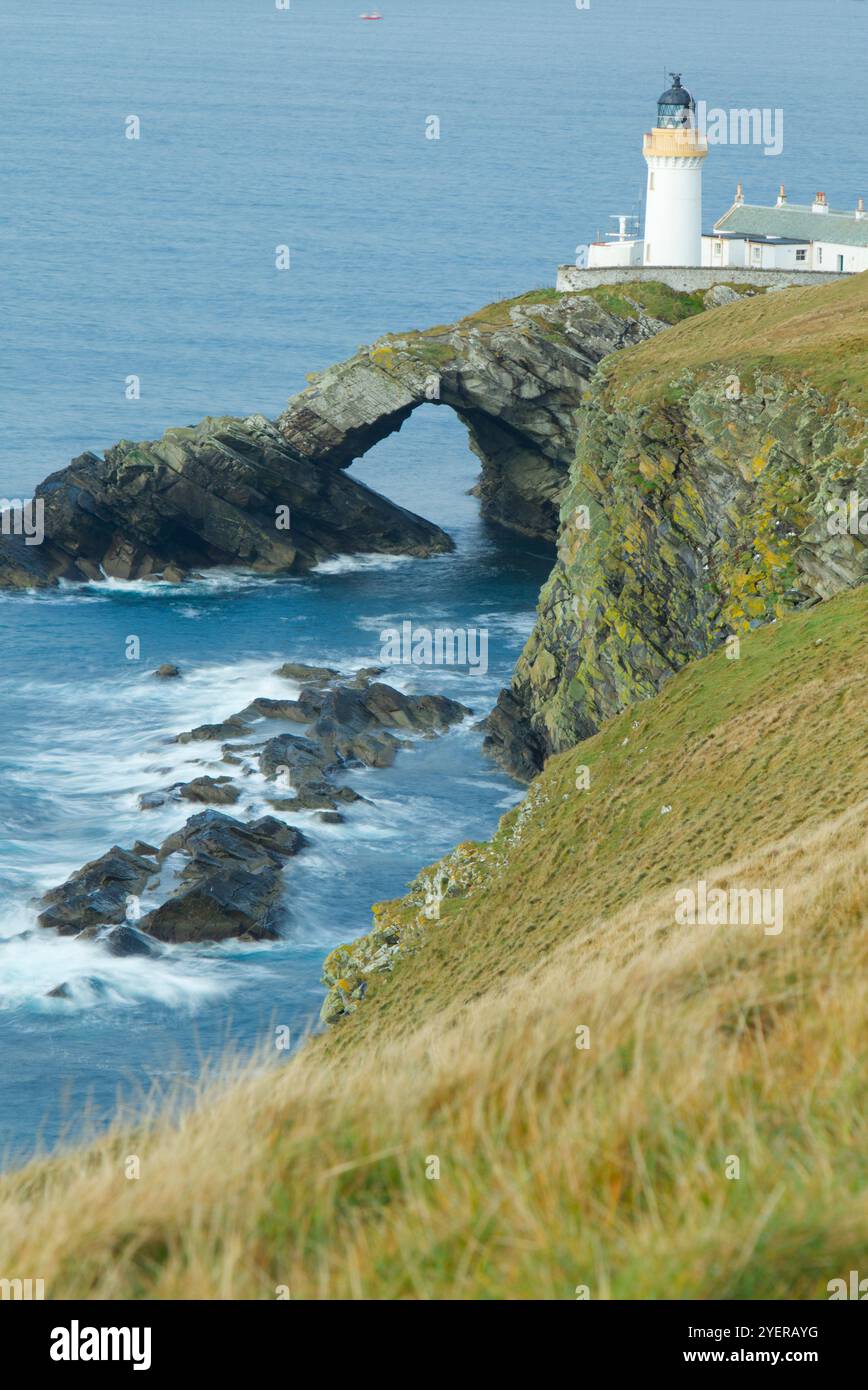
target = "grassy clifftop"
x: 819, y: 334
x: 449, y: 1138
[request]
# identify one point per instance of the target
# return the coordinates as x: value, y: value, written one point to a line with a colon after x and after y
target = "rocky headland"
x: 685, y: 452
x: 275, y: 497
x: 704, y: 500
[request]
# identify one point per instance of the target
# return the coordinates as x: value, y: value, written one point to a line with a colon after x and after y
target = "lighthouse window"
x: 651, y: 184
x: 819, y: 255
x: 801, y: 255
x: 757, y: 252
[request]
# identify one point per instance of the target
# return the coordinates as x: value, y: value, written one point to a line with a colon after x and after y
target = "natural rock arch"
x: 515, y: 374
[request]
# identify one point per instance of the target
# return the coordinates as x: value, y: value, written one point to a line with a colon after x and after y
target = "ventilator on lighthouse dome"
x: 674, y: 152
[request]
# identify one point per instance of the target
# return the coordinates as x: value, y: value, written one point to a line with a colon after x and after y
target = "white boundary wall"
x: 687, y: 279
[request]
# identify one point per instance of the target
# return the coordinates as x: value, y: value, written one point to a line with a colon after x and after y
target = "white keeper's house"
x: 785, y: 237
x: 789, y: 237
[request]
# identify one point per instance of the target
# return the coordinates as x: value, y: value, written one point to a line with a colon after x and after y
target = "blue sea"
x: 303, y: 127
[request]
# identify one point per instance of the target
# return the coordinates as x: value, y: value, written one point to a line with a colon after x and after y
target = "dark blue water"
x: 306, y: 127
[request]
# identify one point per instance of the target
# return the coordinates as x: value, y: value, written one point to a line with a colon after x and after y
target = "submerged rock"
x: 126, y: 941
x: 297, y: 671
x: 219, y: 791
x: 167, y: 671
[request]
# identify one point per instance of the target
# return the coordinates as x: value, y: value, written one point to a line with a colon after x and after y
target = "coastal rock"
x: 297, y: 671
x: 364, y: 676
x: 510, y: 740
x: 218, y: 791
x: 167, y: 671
x: 233, y: 727
x: 694, y: 513
x: 225, y: 904
x: 90, y: 984
x: 420, y: 713
x: 214, y: 840
x: 223, y: 492
x: 97, y: 893
x: 231, y: 882
x: 301, y: 711
x: 300, y: 761
x: 515, y: 374
x: 126, y: 941
x: 275, y: 497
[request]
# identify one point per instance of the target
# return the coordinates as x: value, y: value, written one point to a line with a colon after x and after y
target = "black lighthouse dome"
x: 676, y: 107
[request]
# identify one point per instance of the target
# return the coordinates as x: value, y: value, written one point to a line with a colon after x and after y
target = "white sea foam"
x: 348, y: 564
x: 520, y: 623
x: 35, y: 960
x: 217, y: 580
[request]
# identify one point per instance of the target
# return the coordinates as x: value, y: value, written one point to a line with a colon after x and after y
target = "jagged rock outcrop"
x: 223, y: 492
x: 515, y: 374
x: 98, y: 893
x: 230, y: 884
x: 693, y: 513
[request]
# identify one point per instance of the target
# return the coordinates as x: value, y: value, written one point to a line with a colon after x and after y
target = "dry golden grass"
x: 559, y: 1166
x: 819, y: 332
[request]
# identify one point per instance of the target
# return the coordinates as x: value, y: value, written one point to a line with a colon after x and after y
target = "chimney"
x: 782, y: 197
x: 739, y: 194
x: 820, y: 204
x: 860, y: 209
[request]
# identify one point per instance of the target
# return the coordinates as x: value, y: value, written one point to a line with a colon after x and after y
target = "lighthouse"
x: 674, y: 152
x: 752, y: 243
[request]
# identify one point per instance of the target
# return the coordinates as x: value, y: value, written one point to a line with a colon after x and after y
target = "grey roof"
x: 795, y: 223
x: 756, y: 237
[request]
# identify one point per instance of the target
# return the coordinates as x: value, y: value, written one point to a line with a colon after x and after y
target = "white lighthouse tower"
x: 674, y: 152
